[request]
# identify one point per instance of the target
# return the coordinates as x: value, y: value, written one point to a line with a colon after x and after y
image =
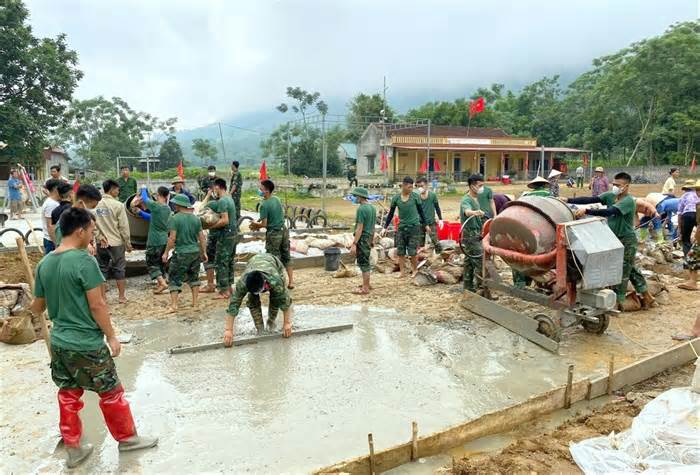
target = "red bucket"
x: 454, y: 229
x: 444, y: 231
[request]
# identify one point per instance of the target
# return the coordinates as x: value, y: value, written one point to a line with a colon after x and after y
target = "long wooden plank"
x: 257, y: 339
x: 507, y: 318
x: 512, y: 416
x: 307, y: 262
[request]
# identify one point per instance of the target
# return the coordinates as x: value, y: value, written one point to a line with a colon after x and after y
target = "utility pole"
x: 428, y: 157
x: 223, y: 149
x: 289, y: 148
x: 386, y: 159
x: 324, y: 150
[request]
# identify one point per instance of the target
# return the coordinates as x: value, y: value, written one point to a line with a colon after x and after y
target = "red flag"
x: 526, y: 164
x: 476, y: 106
x: 424, y: 166
x: 585, y: 159
x: 383, y: 164
x: 693, y: 165
x: 263, y: 171
x: 436, y: 166
x: 180, y: 171
x: 76, y: 185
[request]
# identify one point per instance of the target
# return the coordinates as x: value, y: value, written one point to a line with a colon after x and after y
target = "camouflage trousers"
x: 90, y: 370
x: 277, y: 244
x: 237, y: 201
x: 255, y: 307
x: 629, y: 272
x: 184, y: 268
x: 692, y: 259
x: 473, y: 259
x: 363, y: 250
x: 212, y: 239
x: 225, y: 260
x: 154, y: 261
x: 407, y: 240
x: 432, y: 235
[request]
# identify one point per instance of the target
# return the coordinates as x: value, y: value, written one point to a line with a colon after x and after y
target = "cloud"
x: 204, y: 60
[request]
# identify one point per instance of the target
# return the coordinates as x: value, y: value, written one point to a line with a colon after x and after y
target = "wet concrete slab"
x: 283, y: 406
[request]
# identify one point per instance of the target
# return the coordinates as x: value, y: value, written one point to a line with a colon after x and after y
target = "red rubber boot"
x: 120, y: 422
x: 69, y: 405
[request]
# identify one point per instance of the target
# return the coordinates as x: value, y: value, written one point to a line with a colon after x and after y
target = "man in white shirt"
x: 50, y: 204
x: 579, y: 177
x: 670, y: 184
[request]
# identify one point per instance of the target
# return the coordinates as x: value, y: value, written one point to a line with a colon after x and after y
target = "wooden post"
x: 30, y: 278
x: 611, y: 373
x: 569, y: 383
x: 370, y: 440
x: 414, y: 441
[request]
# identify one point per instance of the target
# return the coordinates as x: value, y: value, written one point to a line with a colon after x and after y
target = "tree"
x: 170, y: 154
x: 37, y: 80
x: 364, y: 109
x: 205, y: 150
x: 99, y: 130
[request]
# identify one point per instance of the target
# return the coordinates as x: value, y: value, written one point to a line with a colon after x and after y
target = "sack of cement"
x: 298, y: 246
x: 341, y: 240
x: 373, y: 257
x: 208, y: 217
x: 393, y: 255
x: 445, y: 277
x: 386, y: 243
x: 448, y: 244
x: 17, y: 326
x: 322, y: 244
x: 424, y: 278
x: 456, y: 271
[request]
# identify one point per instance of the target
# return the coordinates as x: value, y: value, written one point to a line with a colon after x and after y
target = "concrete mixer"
x: 570, y: 261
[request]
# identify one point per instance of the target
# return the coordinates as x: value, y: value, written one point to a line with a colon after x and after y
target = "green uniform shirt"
x: 367, y: 216
x: 271, y: 209
x: 274, y: 272
x: 543, y: 192
x: 485, y: 198
x: 63, y: 280
x: 187, y: 226
x: 621, y: 225
x: 408, y: 210
x: 206, y: 182
x: 126, y: 188
x: 237, y: 180
x: 225, y: 204
x: 158, y: 226
x: 473, y: 228
x: 58, y: 234
x: 428, y: 205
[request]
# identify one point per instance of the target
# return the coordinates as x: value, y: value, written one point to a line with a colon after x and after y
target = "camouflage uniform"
x: 212, y: 239
x: 237, y: 179
x: 225, y: 261
x: 154, y: 261
x: 473, y: 260
x: 364, y: 247
x: 89, y: 370
x: 275, y: 276
x: 184, y: 267
x: 629, y: 271
x: 692, y: 259
x: 277, y: 244
x: 433, y: 236
x: 407, y: 240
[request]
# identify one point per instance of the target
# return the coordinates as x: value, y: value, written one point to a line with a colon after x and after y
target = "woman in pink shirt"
x: 599, y: 183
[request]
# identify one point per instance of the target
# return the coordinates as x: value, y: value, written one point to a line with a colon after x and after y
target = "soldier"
x: 225, y: 231
x: 187, y: 238
x: 621, y: 211
x: 411, y: 220
x: 236, y: 187
x: 158, y: 216
x: 68, y: 283
x: 127, y: 185
x: 263, y: 273
x: 206, y: 182
x: 352, y: 175
x: 365, y: 219
x: 277, y: 235
x: 431, y: 207
x: 471, y: 214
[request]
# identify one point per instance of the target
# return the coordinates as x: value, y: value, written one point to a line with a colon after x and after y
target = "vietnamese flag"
x: 263, y: 171
x: 76, y: 185
x: 585, y: 159
x: 424, y: 166
x: 476, y: 106
x: 693, y: 165
x: 383, y: 165
x: 180, y: 171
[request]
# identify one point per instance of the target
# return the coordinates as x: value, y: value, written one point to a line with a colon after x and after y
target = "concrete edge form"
x: 512, y: 416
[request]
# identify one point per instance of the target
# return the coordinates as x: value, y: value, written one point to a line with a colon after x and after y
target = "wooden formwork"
x: 511, y: 417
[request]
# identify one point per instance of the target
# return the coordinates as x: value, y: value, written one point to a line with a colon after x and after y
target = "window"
x: 370, y: 163
x: 506, y: 163
x: 482, y: 164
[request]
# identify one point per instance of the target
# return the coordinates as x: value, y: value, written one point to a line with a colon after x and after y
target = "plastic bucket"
x: 454, y: 229
x: 332, y: 255
x: 444, y: 231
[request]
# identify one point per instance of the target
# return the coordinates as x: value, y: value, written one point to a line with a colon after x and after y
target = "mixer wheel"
x: 547, y: 326
x: 598, y: 327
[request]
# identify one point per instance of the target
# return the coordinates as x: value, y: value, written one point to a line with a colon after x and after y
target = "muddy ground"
x: 537, y: 452
x: 11, y: 267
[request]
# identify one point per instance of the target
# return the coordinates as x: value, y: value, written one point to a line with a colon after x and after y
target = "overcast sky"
x: 205, y: 60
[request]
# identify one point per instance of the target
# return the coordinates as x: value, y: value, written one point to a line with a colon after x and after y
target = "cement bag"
x: 386, y: 243
x: 341, y: 240
x: 299, y: 246
x: 322, y: 244
x: 373, y: 257
x: 448, y: 244
x: 456, y: 271
x: 208, y: 217
x: 445, y: 277
x: 16, y: 323
x: 663, y: 439
x: 393, y: 255
x: 424, y: 278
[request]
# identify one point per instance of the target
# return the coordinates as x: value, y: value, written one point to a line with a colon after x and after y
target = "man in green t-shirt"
x: 277, y: 235
x: 206, y: 182
x: 236, y: 187
x: 431, y: 207
x: 471, y: 216
x: 127, y: 185
x: 620, y: 211
x: 411, y: 221
x: 485, y: 198
x: 158, y: 215
x: 365, y: 220
x: 226, y: 232
x: 69, y: 284
x: 187, y: 239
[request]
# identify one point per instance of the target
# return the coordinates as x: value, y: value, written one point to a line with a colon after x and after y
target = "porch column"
x: 503, y: 163
x: 416, y: 162
x: 448, y: 170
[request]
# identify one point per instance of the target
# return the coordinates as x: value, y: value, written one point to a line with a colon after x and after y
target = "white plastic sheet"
x: 664, y: 438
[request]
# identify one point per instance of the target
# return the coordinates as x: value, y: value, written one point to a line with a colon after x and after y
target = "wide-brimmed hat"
x: 181, y: 200
x: 599, y: 169
x: 554, y: 173
x: 697, y: 185
x: 688, y: 185
x: 361, y: 192
x: 538, y: 180
x: 177, y: 179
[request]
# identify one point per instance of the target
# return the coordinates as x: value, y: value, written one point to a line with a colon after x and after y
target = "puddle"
x: 291, y: 406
